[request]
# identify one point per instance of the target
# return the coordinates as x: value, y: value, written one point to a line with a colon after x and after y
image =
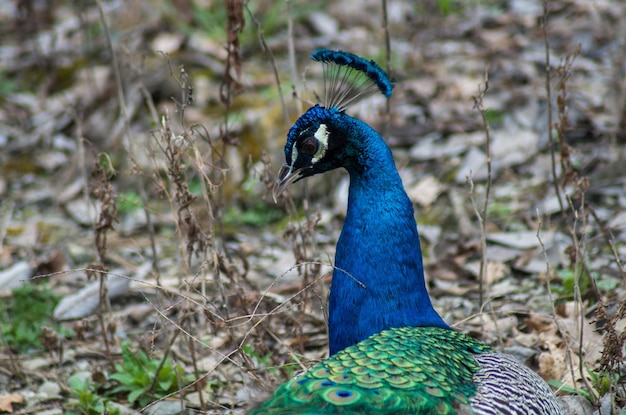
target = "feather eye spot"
x: 341, y: 397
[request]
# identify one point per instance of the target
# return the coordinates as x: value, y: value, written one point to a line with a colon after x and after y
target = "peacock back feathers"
x: 409, y: 370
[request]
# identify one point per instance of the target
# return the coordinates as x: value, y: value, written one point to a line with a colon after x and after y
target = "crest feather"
x: 348, y: 78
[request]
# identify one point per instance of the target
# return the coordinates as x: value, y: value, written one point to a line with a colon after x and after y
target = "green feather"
x: 425, y: 370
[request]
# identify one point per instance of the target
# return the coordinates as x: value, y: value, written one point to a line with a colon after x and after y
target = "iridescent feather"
x: 348, y: 78
x: 411, y: 370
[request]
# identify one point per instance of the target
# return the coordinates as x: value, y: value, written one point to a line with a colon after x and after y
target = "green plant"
x: 7, y: 85
x: 209, y: 19
x: 128, y: 202
x: 29, y: 308
x: 586, y: 282
x: 495, y: 118
x: 601, y: 382
x: 605, y: 284
x: 500, y: 211
x: 265, y: 361
x: 137, y: 373
x: 86, y: 399
x: 257, y: 215
x: 446, y: 7
x: 564, y: 388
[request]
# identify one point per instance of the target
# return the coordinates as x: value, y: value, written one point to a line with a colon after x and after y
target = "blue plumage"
x: 391, y: 353
x: 377, y: 282
x: 357, y: 63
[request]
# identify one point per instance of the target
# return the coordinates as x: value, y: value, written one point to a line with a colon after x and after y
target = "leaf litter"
x: 255, y: 318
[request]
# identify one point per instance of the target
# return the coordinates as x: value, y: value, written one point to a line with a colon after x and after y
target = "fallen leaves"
x: 8, y: 399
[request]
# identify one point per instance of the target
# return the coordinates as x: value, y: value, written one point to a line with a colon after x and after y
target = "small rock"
x: 166, y: 408
x: 575, y: 404
x: 52, y: 160
x: 50, y: 390
x: 53, y: 411
x: 167, y: 42
x: 473, y: 166
x: 85, y: 301
x: 139, y: 312
x: 519, y: 240
x: 323, y: 23
x: 520, y: 353
x: 606, y: 406
x: 16, y: 275
x: 431, y: 147
x: 82, y: 212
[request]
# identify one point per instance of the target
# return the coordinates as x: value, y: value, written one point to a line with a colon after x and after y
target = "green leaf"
x: 563, y: 387
x: 123, y: 378
x: 608, y: 284
x: 166, y: 385
x: 132, y: 397
x: 77, y: 383
x: 128, y: 202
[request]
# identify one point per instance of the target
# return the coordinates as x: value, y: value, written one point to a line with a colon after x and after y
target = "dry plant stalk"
x: 300, y: 232
x: 481, y: 214
x: 612, y: 357
x: 559, y: 184
x: 570, y: 189
x: 194, y: 240
x: 103, y: 191
x: 174, y: 148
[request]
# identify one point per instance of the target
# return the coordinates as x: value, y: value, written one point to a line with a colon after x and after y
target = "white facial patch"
x: 321, y: 135
x: 294, y: 154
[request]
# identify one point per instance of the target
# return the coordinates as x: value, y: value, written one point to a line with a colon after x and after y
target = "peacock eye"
x: 309, y: 146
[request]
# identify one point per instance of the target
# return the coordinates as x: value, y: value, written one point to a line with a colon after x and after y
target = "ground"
x: 140, y: 141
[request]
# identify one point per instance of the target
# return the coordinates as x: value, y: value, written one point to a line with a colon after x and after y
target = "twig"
x: 577, y: 229
x: 568, y: 350
x: 544, y: 26
x: 482, y: 214
x: 609, y: 238
x: 292, y: 59
x: 118, y: 76
x: 266, y: 48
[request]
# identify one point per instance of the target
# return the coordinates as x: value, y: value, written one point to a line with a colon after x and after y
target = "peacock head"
x: 320, y: 139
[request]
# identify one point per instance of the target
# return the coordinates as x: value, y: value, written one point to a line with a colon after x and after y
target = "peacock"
x: 390, y: 352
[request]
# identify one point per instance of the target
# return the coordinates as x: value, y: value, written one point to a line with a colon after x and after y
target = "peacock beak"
x: 286, y: 176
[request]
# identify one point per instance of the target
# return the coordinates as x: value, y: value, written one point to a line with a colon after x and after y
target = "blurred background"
x: 143, y: 262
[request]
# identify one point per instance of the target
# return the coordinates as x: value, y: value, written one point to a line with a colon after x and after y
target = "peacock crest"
x: 349, y: 78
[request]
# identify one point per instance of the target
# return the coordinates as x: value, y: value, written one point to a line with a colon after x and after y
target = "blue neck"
x: 379, y: 249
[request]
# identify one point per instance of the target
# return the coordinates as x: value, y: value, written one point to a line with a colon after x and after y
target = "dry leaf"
x: 496, y: 271
x: 425, y: 191
x: 552, y: 364
x: 7, y: 401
